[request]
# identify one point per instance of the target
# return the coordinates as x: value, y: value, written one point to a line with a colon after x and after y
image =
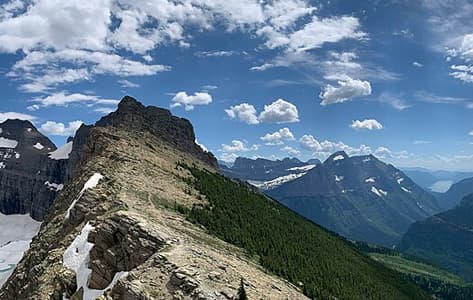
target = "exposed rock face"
x: 134, y: 116
x: 29, y: 179
x: 137, y: 231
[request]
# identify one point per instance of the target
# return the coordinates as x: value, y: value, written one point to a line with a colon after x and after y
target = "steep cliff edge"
x: 29, y: 178
x: 136, y: 228
x: 121, y: 228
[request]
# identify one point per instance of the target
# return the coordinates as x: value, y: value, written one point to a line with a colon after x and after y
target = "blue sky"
x: 256, y: 78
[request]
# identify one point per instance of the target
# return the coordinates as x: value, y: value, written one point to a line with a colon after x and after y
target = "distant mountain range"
x: 359, y: 197
x: 120, y: 229
x: 436, y: 181
x: 455, y: 193
x: 267, y: 174
x: 445, y: 238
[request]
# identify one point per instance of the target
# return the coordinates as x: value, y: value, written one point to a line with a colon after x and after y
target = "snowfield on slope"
x: 16, y: 233
x: 90, y: 184
x: 62, y: 152
x: 302, y: 169
x: 271, y: 184
x: 379, y: 192
x: 7, y: 143
x: 77, y: 256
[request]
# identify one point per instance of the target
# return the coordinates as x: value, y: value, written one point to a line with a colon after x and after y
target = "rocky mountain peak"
x: 370, y: 189
x: 337, y: 156
x: 24, y: 135
x: 135, y: 117
x: 29, y: 178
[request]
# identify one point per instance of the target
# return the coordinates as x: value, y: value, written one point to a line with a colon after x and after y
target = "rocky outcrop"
x: 29, y: 179
x: 134, y: 116
x: 142, y: 247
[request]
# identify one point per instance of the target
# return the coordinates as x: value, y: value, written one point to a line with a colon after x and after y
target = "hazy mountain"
x: 455, y: 193
x: 359, y: 197
x: 436, y: 181
x: 147, y: 215
x: 445, y: 238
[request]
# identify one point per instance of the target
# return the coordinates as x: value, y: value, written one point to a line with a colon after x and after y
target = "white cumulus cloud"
x: 60, y: 129
x: 325, y: 148
x: 128, y: 84
x: 243, y: 112
x: 15, y: 115
x: 190, y: 101
x: 64, y: 99
x: 238, y: 146
x: 345, y: 91
x: 367, y: 124
x: 291, y: 151
x: 277, y: 138
x: 280, y: 111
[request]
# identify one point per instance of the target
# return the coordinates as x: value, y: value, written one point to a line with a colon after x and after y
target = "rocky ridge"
x: 137, y: 231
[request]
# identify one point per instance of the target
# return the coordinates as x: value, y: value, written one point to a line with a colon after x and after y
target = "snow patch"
x: 400, y: 180
x: 62, y: 152
x: 17, y: 155
x: 16, y: 233
x: 419, y: 205
x: 7, y: 143
x: 338, y: 178
x: 55, y: 187
x: 90, y: 184
x: 38, y: 146
x: 271, y: 184
x: 77, y: 257
x: 338, y: 157
x: 302, y: 169
x: 378, y: 192
x: 2, y: 165
x: 370, y: 180
x: 366, y: 160
x: 405, y: 190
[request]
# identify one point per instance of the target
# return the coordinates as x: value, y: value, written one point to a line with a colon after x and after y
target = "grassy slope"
x: 292, y: 247
x: 406, y: 266
x: 433, y: 279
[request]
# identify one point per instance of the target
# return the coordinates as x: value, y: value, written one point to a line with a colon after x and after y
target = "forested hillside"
x: 322, y: 263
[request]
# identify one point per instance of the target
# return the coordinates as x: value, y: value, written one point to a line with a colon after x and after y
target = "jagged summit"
x: 134, y: 116
x: 144, y: 216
